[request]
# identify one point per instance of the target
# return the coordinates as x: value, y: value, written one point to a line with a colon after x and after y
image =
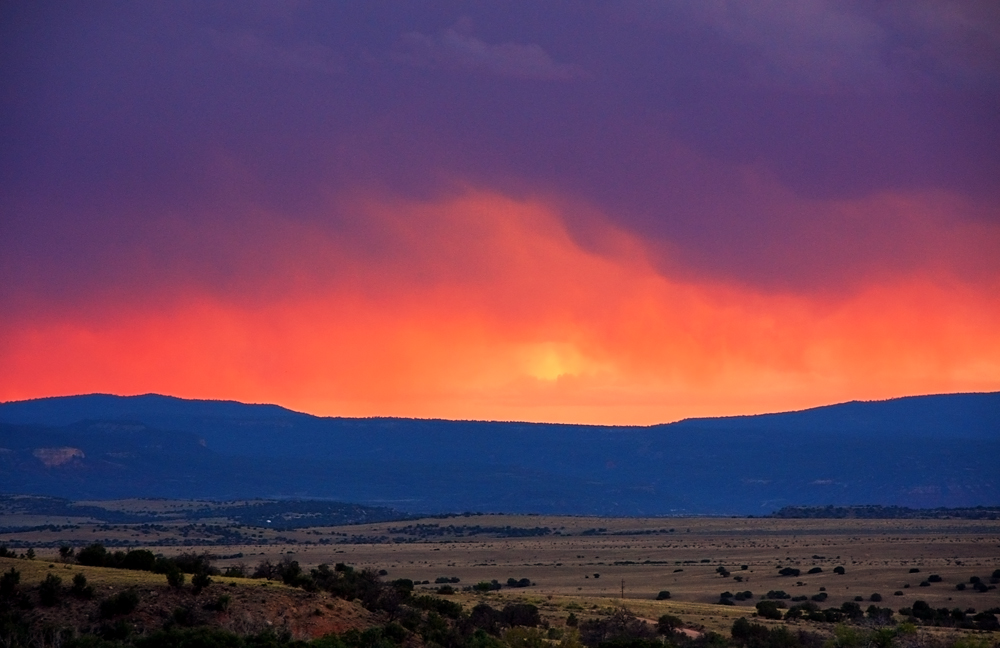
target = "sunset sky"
x: 626, y: 212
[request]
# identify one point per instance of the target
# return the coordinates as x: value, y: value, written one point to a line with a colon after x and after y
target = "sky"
x: 621, y: 212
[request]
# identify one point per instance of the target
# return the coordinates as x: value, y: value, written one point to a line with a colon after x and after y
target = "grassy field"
x: 590, y: 565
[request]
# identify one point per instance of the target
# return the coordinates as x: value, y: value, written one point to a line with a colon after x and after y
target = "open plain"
x: 591, y: 564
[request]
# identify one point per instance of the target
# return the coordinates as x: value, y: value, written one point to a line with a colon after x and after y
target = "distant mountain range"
x: 921, y: 452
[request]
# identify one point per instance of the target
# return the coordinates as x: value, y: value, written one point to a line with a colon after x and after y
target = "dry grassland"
x: 585, y: 566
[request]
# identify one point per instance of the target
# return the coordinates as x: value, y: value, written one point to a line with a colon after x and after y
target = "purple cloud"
x: 300, y: 56
x: 114, y: 122
x: 454, y: 48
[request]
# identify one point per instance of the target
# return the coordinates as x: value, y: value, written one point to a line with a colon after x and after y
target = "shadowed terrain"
x: 920, y: 452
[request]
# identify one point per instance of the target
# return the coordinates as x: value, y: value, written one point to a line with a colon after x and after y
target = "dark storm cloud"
x: 667, y: 118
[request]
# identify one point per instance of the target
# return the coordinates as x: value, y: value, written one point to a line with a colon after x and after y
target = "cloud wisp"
x: 452, y: 48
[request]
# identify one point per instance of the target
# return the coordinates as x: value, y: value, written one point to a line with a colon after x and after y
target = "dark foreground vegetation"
x: 405, y: 617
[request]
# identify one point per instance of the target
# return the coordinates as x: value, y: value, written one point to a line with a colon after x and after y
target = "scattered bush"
x: 50, y: 590
x: 875, y: 598
x: 839, y: 570
x: 9, y: 582
x: 138, y: 559
x: 200, y: 581
x: 663, y: 595
x: 92, y: 555
x: 789, y: 571
x: 120, y: 604
x: 852, y: 610
x: 80, y: 587
x: 517, y: 614
x: 445, y: 608
x: 815, y: 570
x: 879, y: 613
x: 667, y: 624
x: 220, y: 604
x: 236, y: 571
x: 768, y: 609
x: 175, y: 578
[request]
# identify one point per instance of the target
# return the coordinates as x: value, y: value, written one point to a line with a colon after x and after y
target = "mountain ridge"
x: 687, y: 421
x: 923, y: 451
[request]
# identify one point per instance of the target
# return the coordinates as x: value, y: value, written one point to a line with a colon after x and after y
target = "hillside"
x: 921, y: 452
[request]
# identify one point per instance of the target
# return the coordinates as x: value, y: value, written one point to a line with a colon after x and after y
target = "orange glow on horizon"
x: 487, y: 308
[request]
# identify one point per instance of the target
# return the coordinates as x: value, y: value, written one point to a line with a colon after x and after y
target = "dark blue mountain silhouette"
x: 922, y: 451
